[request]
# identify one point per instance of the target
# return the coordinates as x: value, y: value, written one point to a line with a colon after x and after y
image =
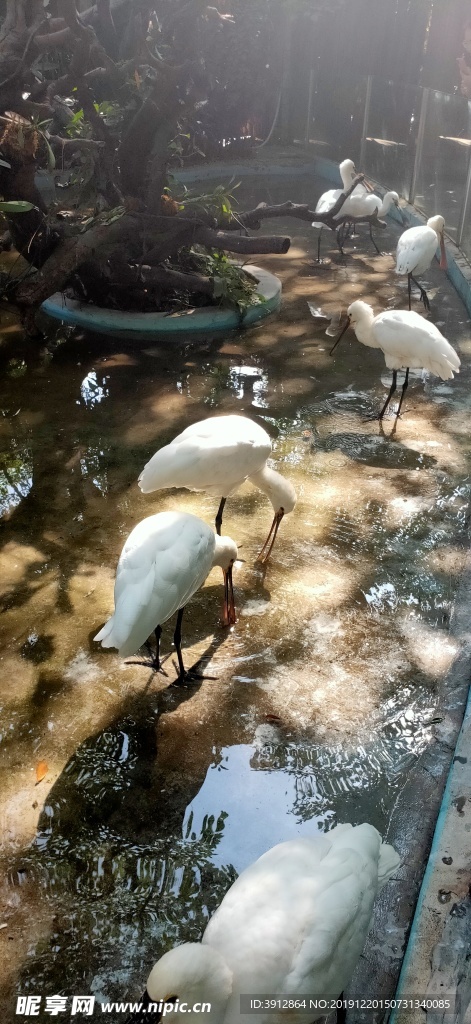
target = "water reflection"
x: 92, y: 464
x: 94, y: 390
x: 16, y: 476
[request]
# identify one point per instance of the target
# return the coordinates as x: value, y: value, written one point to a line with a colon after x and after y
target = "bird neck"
x: 278, y: 490
x: 385, y: 205
x: 225, y: 551
x: 364, y: 330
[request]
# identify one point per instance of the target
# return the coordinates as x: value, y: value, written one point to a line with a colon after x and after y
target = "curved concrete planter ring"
x: 206, y: 318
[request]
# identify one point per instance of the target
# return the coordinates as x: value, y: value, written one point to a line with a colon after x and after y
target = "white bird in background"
x: 165, y: 560
x: 328, y: 199
x: 294, y: 922
x: 407, y: 341
x: 415, y: 251
x: 216, y: 455
x: 359, y: 206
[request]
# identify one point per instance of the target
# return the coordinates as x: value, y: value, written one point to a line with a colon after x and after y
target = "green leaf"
x: 51, y: 160
x: 16, y: 206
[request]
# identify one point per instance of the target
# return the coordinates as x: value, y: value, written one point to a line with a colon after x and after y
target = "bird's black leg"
x: 177, y: 639
x: 404, y: 386
x: 341, y: 1011
x: 158, y: 634
x: 319, y: 247
x: 154, y: 658
x: 391, y: 392
x: 423, y: 294
x: 374, y: 243
x: 184, y: 676
x: 219, y: 517
x: 408, y: 289
x: 340, y: 240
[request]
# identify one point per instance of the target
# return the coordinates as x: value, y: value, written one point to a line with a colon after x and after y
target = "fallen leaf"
x: 41, y: 771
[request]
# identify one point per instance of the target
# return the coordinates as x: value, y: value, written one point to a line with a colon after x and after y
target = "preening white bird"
x: 328, y: 199
x: 216, y: 455
x: 164, y: 561
x: 415, y: 251
x: 361, y: 205
x: 407, y: 341
x: 294, y: 922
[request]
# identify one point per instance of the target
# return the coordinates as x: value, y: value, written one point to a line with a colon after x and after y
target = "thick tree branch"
x: 56, y: 271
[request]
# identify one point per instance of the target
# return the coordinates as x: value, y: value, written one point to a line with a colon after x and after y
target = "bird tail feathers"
x: 446, y: 366
x: 106, y: 634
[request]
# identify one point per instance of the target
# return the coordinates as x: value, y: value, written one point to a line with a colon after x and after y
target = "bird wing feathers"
x: 164, y: 561
x: 415, y: 250
x: 407, y: 339
x: 297, y: 919
x: 325, y: 203
x: 216, y: 456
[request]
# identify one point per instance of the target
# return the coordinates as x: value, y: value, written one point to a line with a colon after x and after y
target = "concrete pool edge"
x: 392, y: 940
x: 149, y: 325
x: 443, y: 912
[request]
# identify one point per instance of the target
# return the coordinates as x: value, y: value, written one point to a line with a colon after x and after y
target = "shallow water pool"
x: 321, y: 699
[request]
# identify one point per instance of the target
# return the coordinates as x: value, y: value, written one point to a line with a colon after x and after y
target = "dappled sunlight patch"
x: 447, y: 559
x: 16, y: 559
x: 82, y: 669
x: 433, y: 650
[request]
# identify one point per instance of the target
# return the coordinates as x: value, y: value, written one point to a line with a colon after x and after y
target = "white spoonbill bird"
x: 328, y: 199
x: 415, y: 251
x: 294, y: 922
x: 216, y: 455
x: 165, y: 560
x: 407, y: 341
x: 360, y: 205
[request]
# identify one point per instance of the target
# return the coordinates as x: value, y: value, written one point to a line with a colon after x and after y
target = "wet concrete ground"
x: 327, y: 692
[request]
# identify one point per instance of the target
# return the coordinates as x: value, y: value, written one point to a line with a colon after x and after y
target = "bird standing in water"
x: 359, y: 206
x: 415, y: 251
x: 216, y: 455
x: 407, y: 341
x: 328, y: 199
x: 165, y: 560
x: 294, y: 922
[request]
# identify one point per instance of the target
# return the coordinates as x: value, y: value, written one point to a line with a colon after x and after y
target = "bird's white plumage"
x: 214, y: 455
x: 295, y: 921
x: 164, y: 561
x: 405, y: 338
x: 328, y: 199
x: 367, y: 203
x: 416, y: 247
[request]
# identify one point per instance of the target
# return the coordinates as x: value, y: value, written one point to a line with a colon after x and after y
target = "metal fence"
x: 411, y: 139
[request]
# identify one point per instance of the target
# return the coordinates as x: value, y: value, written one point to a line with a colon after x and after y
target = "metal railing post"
x: 464, y: 208
x: 366, y: 117
x: 419, y: 143
x: 309, y: 107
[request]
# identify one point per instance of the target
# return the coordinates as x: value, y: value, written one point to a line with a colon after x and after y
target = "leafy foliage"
x: 233, y: 286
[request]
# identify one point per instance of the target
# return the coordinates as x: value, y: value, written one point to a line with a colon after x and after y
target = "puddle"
x: 325, y: 692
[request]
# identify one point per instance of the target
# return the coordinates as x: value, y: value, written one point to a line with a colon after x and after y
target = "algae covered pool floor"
x: 321, y: 700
